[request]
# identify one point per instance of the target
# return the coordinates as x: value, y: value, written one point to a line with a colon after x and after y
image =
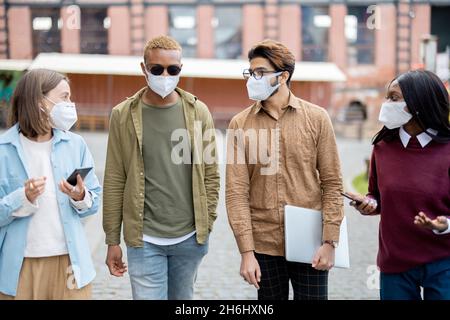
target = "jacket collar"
x: 188, y: 97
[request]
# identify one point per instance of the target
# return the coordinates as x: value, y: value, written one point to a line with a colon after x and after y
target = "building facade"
x: 370, y: 41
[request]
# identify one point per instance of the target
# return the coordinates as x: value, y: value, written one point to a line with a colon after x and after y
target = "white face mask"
x: 393, y: 114
x: 63, y: 115
x: 261, y: 89
x: 162, y: 85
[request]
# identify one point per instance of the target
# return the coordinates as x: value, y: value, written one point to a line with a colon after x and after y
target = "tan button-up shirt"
x: 307, y: 173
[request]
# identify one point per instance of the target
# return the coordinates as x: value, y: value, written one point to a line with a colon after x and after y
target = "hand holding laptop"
x: 303, y: 239
x: 324, y: 258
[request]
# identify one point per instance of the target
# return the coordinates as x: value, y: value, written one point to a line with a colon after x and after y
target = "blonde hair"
x: 161, y: 42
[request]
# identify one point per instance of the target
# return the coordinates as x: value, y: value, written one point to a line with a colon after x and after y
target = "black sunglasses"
x: 158, y: 70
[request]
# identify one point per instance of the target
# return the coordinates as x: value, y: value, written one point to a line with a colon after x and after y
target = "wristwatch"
x: 332, y: 243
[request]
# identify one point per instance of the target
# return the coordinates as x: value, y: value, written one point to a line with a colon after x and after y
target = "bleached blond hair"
x: 161, y: 42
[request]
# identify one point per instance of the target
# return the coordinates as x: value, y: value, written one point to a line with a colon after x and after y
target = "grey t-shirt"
x: 168, y: 209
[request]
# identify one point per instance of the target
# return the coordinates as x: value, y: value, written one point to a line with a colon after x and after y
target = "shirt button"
x: 142, y: 173
x: 141, y: 194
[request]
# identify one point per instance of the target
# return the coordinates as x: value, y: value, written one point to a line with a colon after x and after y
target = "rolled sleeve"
x: 84, y: 204
x: 92, y: 185
x: 27, y: 208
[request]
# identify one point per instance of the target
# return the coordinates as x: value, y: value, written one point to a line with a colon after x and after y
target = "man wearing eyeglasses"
x: 307, y: 174
x: 167, y: 207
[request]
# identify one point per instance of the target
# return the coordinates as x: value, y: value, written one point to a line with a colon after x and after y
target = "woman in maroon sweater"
x: 409, y: 186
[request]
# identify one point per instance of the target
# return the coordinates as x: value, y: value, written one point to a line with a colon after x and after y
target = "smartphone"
x: 72, y: 179
x: 351, y: 198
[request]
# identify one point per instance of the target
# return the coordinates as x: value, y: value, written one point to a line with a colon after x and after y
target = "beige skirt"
x: 48, y: 278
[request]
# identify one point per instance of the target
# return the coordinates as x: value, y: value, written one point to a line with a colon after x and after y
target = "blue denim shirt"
x: 69, y: 152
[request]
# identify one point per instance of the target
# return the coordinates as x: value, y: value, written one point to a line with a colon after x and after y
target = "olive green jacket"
x: 124, y: 181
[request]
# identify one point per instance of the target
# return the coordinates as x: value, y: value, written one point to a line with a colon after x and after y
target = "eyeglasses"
x: 158, y: 70
x: 257, y: 74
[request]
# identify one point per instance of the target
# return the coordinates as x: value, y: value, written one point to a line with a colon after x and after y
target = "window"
x: 360, y: 39
x: 46, y: 30
x: 315, y: 26
x: 94, y: 31
x: 227, y: 23
x: 440, y: 25
x: 183, y: 28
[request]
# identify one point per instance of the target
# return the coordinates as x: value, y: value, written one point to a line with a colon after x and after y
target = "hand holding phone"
x: 74, y: 185
x: 366, y: 207
x: 357, y: 202
x: 83, y: 172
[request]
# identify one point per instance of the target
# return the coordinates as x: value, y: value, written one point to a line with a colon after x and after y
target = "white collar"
x: 423, y: 138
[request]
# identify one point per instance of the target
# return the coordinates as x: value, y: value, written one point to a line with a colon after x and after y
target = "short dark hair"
x: 279, y: 56
x: 27, y: 100
x: 428, y: 102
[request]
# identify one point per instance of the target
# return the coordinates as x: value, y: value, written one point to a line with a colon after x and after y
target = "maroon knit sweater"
x: 406, y: 181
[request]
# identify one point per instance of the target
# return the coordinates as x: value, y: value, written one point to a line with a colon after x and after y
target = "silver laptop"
x: 303, y: 235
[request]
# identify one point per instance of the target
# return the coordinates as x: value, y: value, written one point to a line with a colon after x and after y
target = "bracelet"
x: 332, y: 243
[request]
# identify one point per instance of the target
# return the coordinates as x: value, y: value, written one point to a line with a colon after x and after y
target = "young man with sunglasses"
x: 307, y: 175
x: 167, y: 207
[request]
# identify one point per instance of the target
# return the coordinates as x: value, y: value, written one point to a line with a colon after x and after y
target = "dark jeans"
x: 307, y: 282
x: 433, y: 277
